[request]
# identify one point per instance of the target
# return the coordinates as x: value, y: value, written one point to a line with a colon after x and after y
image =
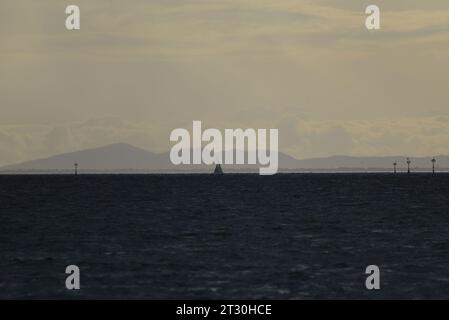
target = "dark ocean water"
x: 289, y: 236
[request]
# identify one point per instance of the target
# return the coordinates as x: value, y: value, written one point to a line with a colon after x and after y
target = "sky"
x: 139, y: 69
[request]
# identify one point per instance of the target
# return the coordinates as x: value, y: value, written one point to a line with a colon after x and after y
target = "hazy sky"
x: 138, y: 69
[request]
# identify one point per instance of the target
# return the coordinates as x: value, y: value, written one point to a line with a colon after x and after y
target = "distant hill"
x: 112, y: 157
x: 122, y: 157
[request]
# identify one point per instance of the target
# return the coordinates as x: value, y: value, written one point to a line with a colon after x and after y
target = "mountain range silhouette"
x: 123, y: 157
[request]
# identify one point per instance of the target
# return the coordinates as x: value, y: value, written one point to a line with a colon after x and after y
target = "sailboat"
x: 218, y: 170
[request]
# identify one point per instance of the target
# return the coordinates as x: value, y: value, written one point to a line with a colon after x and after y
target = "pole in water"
x: 408, y: 165
x: 394, y: 165
x: 76, y: 168
x: 433, y: 165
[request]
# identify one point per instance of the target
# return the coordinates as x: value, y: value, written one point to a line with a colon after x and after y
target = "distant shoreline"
x: 204, y: 172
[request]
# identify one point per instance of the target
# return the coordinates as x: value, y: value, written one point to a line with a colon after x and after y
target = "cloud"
x: 188, y: 29
x: 302, y: 138
x: 23, y: 142
x: 412, y: 136
x: 157, y: 65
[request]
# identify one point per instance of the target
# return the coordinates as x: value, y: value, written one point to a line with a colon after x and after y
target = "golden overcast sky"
x: 138, y: 69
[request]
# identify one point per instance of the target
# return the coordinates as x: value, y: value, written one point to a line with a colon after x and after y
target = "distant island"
x: 125, y: 158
